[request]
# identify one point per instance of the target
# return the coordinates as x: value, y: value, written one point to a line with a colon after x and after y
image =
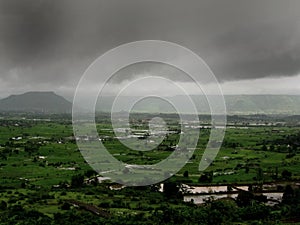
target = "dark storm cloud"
x: 28, y: 31
x: 267, y: 49
x: 51, y: 42
x: 28, y: 28
x: 134, y: 71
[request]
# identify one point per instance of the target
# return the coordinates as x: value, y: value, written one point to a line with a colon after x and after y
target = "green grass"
x: 39, y: 175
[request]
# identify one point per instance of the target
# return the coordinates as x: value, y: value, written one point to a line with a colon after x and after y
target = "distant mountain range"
x: 267, y: 104
x: 49, y: 102
x: 235, y: 104
x: 37, y: 102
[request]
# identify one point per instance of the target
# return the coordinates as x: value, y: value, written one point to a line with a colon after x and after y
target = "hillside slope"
x: 46, y: 102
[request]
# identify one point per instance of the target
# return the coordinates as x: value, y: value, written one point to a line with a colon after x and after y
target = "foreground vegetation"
x: 45, y: 180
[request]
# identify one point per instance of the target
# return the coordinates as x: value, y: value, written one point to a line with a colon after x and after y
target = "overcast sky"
x: 252, y: 46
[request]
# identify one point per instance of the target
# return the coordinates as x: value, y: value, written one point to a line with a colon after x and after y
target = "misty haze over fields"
x: 49, y: 102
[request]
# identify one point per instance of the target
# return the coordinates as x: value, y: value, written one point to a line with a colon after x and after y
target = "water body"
x: 200, y: 199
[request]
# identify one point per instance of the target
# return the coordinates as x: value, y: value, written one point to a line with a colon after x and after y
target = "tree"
x: 276, y: 173
x: 260, y: 175
x: 66, y: 206
x: 226, y: 208
x: 77, y: 180
x: 3, y: 205
x: 288, y: 195
x: 207, y: 177
x: 186, y: 174
x: 286, y: 174
x: 90, y: 173
x: 126, y: 170
x: 244, y: 198
x: 247, y: 169
x: 171, y: 189
x: 264, y: 148
x: 31, y: 147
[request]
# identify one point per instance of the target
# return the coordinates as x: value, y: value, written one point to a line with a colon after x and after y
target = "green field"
x: 40, y: 164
